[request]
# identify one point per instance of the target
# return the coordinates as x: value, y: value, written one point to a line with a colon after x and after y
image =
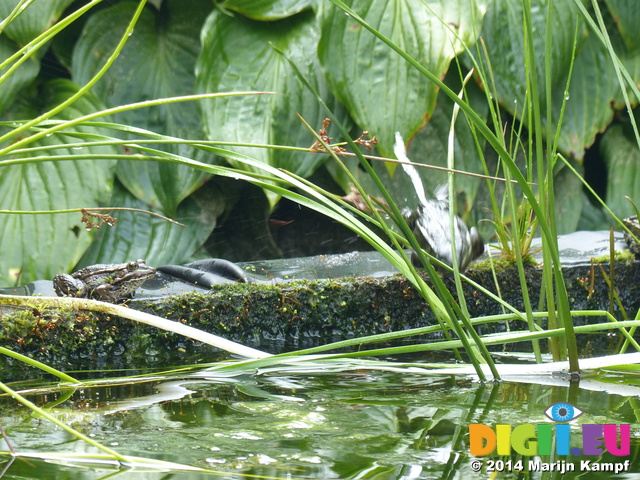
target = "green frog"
x: 634, y: 226
x: 108, y: 282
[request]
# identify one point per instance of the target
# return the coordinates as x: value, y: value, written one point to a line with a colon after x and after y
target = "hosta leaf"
x: 588, y: 110
x: 594, y: 217
x: 626, y: 14
x: 18, y: 79
x: 594, y: 93
x: 238, y: 56
x: 158, y: 61
x: 266, y: 9
x: 622, y: 158
x: 383, y: 93
x: 32, y: 21
x: 503, y: 35
x: 138, y: 235
x: 43, y: 245
x: 593, y: 87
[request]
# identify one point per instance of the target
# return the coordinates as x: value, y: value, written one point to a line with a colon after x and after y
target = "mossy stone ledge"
x: 304, y: 313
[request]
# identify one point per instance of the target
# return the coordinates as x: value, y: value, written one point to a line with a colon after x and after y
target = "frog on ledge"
x: 108, y: 282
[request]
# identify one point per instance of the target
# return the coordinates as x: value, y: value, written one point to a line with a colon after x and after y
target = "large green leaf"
x: 266, y: 9
x: 158, y: 61
x: 383, y: 93
x: 622, y: 158
x: 594, y: 87
x: 594, y: 93
x: 238, y: 55
x: 138, y: 235
x: 626, y: 14
x: 43, y: 245
x: 19, y: 79
x: 588, y: 109
x: 24, y: 27
x: 503, y: 35
x: 32, y: 21
x: 594, y: 217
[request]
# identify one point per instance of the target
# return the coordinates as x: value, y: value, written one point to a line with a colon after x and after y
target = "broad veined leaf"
x: 139, y: 235
x: 593, y: 86
x: 503, y: 35
x: 33, y: 20
x: 588, y: 109
x: 27, y: 25
x: 594, y: 93
x: 626, y: 15
x: 383, y: 93
x: 158, y: 61
x: 594, y: 217
x: 19, y: 79
x: 622, y: 158
x: 266, y: 9
x: 238, y: 55
x: 43, y: 245
x: 629, y: 54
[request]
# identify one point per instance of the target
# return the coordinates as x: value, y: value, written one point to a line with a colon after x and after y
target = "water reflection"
x: 362, y: 424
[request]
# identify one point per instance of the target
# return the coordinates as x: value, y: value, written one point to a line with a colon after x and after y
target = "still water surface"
x: 308, y: 425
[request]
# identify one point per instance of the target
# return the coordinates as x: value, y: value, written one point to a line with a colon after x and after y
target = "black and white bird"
x: 430, y: 221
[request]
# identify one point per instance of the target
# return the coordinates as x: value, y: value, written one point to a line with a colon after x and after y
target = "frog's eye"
x: 562, y: 412
x: 132, y: 266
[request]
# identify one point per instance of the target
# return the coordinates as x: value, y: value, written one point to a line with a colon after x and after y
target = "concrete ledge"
x: 300, y: 313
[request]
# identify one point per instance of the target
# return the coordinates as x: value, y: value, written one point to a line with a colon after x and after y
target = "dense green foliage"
x: 190, y: 109
x: 181, y: 48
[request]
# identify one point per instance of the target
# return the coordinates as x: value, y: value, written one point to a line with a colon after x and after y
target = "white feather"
x: 401, y: 154
x: 431, y: 221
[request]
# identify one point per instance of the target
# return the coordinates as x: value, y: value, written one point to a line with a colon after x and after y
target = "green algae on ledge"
x: 300, y: 313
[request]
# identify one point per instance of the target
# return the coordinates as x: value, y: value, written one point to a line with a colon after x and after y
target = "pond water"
x: 309, y: 425
x: 316, y: 424
x: 574, y: 248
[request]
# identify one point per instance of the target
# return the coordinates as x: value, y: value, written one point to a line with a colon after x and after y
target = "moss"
x: 501, y: 263
x: 302, y: 313
x: 625, y: 257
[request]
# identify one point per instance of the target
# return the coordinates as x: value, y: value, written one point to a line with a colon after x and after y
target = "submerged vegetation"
x: 176, y: 107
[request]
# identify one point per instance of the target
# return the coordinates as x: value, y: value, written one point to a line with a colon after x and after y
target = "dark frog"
x: 634, y: 226
x: 108, y: 282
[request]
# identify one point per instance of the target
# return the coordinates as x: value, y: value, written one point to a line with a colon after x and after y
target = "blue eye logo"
x: 562, y: 412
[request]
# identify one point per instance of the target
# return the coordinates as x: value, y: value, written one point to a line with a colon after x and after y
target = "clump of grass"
x: 510, y: 244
